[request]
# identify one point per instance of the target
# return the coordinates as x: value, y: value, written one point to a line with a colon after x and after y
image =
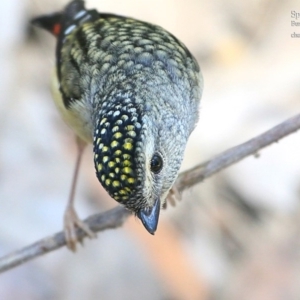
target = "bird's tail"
x: 62, y: 23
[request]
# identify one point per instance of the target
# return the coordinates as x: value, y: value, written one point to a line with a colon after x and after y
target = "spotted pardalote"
x: 133, y: 90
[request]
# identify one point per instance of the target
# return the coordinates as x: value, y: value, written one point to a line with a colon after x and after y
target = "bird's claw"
x: 71, y: 221
x: 173, y: 196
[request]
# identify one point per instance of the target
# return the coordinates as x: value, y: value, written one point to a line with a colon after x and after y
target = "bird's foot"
x: 71, y: 221
x: 173, y: 196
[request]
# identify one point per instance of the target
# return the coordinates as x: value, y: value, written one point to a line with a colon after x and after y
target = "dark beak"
x: 149, y: 216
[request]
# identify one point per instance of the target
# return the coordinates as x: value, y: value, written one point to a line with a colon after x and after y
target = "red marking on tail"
x: 56, y: 29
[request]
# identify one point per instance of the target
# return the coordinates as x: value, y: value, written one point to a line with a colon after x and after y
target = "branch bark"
x: 116, y: 217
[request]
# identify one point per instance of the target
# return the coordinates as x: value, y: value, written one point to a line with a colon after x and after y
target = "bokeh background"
x: 235, y: 236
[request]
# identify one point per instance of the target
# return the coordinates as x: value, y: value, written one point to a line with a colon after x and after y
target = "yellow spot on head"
x: 118, y: 152
x: 99, y: 167
x: 112, y: 175
x: 117, y: 170
x: 102, y: 177
x: 129, y: 127
x: 103, y: 121
x: 131, y: 180
x: 128, y: 146
x: 127, y: 170
x: 107, y: 181
x: 111, y: 164
x: 117, y: 135
x: 123, y: 177
x: 101, y: 146
x: 116, y: 183
x: 114, y: 144
x: 98, y: 141
x: 126, y: 163
x: 126, y: 156
x: 105, y: 159
x: 123, y: 192
x: 115, y: 129
x: 128, y: 140
x: 131, y: 133
x: 117, y: 160
x: 105, y: 149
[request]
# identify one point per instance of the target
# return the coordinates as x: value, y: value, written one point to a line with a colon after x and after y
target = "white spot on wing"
x: 116, y: 113
x: 80, y: 14
x: 70, y: 29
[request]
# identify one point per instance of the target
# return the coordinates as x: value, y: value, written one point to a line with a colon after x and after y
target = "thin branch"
x: 108, y: 220
x: 233, y: 155
x: 116, y: 217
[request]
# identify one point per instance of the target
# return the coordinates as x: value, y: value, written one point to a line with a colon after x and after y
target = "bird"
x: 133, y: 90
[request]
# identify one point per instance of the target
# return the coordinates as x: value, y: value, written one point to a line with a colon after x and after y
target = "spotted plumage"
x: 133, y: 90
x: 115, y: 141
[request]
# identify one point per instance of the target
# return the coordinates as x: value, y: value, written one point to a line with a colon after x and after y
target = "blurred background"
x: 235, y: 236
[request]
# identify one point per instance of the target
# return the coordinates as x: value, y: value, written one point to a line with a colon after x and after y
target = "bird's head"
x: 138, y: 151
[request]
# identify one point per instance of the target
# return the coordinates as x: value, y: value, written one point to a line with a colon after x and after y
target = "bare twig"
x: 225, y: 159
x: 116, y: 217
x: 98, y: 222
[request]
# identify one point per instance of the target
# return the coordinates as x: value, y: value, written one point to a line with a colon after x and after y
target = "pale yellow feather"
x: 77, y: 116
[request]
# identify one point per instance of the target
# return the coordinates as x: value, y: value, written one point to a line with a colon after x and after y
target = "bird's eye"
x: 156, y: 163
